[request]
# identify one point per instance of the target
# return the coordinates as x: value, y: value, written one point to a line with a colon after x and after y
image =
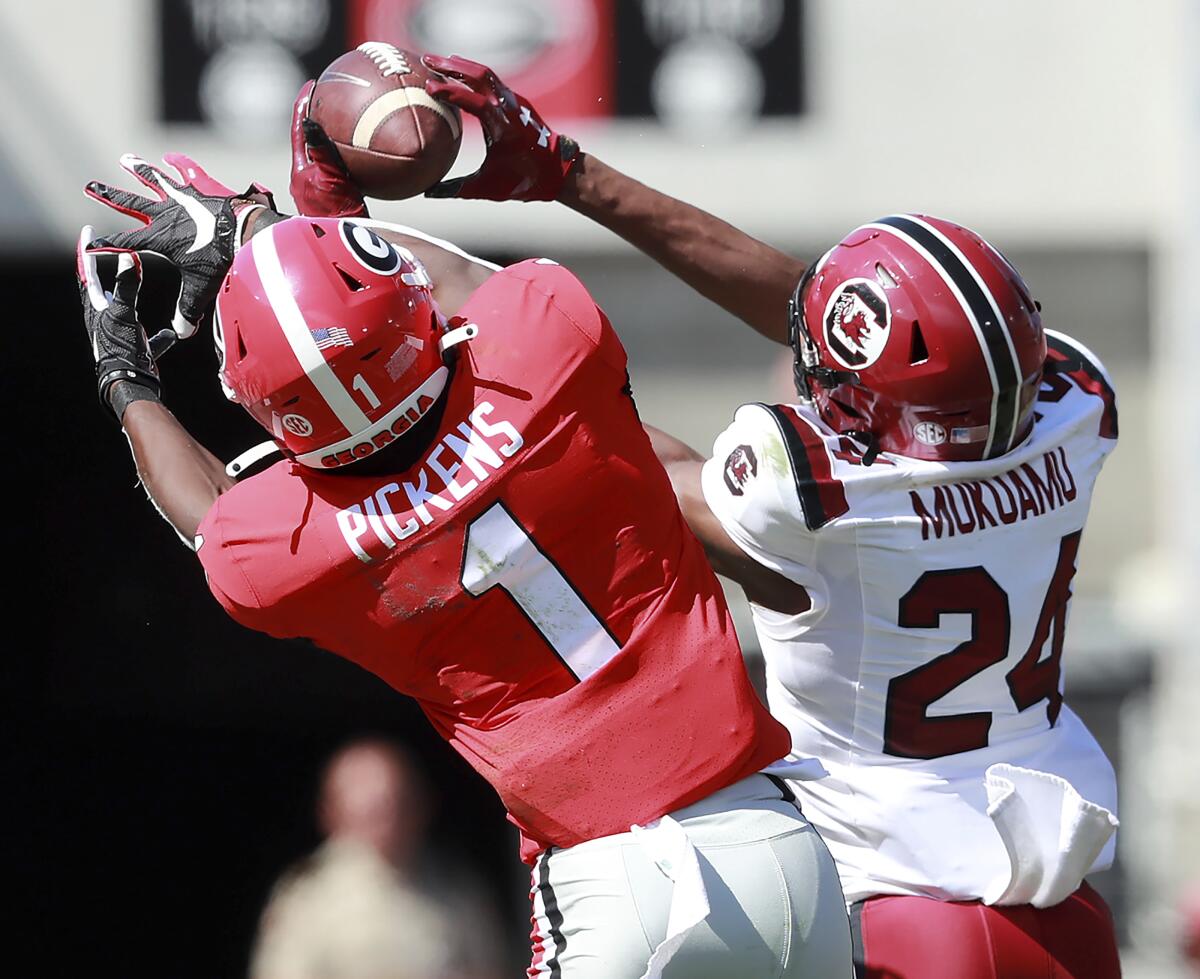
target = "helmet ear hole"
x: 353, y: 284
x: 918, y: 353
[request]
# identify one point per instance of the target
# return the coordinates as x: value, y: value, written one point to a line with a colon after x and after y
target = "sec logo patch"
x: 297, y: 425
x: 929, y: 433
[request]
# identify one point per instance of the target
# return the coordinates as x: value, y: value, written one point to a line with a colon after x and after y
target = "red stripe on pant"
x: 537, y: 938
x: 922, y: 938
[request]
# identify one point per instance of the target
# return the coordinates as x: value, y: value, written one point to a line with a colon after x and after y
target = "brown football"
x: 396, y: 140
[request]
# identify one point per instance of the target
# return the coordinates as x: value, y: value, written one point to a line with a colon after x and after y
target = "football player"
x: 925, y: 497
x: 469, y: 508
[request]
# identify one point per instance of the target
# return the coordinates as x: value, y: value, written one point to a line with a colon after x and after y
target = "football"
x: 396, y: 140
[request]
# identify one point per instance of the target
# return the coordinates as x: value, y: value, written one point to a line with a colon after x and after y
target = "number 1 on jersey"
x: 500, y: 553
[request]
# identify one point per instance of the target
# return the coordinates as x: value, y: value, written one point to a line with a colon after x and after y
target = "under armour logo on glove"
x: 528, y: 119
x: 193, y: 221
x: 526, y: 160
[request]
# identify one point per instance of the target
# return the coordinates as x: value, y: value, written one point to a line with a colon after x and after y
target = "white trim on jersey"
x: 295, y: 329
x: 1087, y: 355
x: 966, y: 308
x: 404, y: 229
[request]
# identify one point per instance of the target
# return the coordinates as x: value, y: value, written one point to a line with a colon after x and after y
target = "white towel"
x: 798, y: 767
x: 666, y: 843
x: 1053, y: 835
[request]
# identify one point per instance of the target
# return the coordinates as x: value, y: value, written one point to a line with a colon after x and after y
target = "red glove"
x: 321, y: 185
x: 526, y: 160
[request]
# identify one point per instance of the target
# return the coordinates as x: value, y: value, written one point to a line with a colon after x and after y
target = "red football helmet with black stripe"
x: 917, y: 335
x: 329, y: 337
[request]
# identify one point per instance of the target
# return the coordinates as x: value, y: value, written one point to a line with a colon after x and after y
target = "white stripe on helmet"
x: 966, y: 308
x: 295, y: 329
x: 1000, y: 321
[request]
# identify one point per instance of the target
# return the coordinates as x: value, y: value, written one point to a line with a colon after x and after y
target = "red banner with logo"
x: 557, y: 53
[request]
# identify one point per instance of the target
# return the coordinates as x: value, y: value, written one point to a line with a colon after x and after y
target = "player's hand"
x: 526, y: 160
x: 119, y: 345
x: 320, y: 184
x: 193, y: 221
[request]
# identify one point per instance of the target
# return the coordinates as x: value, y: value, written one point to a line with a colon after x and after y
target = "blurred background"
x: 165, y: 765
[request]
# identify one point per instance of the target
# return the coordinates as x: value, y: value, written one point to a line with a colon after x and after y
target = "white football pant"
x: 736, y: 886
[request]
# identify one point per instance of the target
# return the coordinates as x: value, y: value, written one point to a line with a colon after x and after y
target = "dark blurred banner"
x: 704, y: 65
x: 709, y: 64
x: 239, y: 63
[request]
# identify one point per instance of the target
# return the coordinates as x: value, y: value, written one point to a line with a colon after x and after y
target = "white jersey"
x: 932, y: 648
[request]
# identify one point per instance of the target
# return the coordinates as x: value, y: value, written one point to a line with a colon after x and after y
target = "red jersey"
x: 530, y: 581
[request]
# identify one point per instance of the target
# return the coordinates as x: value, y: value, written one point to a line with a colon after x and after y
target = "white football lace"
x: 387, y: 57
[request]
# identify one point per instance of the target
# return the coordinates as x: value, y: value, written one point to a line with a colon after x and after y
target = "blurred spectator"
x: 364, y: 904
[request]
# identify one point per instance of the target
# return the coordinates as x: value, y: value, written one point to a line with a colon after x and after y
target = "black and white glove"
x: 119, y: 345
x: 196, y: 223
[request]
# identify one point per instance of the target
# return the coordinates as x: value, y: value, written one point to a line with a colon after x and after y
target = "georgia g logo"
x: 740, y: 468
x: 858, y: 321
x: 369, y: 249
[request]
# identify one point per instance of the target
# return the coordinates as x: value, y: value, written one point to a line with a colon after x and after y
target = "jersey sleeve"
x: 226, y: 573
x: 559, y: 298
x: 770, y: 484
x: 1073, y: 360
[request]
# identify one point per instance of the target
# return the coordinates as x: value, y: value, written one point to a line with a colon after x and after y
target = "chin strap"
x: 249, y: 458
x: 458, y: 331
x: 869, y: 440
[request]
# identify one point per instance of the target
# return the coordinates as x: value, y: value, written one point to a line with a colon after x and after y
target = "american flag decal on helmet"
x: 334, y: 336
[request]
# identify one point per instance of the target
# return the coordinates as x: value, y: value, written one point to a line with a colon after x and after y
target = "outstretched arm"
x: 762, y: 585
x: 182, y: 478
x: 526, y: 160
x: 455, y: 274
x: 742, y: 275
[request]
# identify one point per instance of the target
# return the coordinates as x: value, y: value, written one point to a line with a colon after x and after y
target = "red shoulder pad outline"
x: 1073, y: 361
x: 822, y: 495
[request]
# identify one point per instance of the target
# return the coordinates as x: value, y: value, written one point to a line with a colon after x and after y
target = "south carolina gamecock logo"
x: 858, y: 321
x: 740, y: 468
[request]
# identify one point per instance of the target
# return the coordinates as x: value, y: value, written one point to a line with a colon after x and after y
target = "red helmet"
x: 329, y: 336
x: 917, y: 334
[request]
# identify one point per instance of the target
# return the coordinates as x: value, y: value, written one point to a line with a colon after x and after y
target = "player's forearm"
x: 455, y: 275
x: 182, y: 477
x: 744, y: 276
x: 683, y: 465
x: 669, y: 449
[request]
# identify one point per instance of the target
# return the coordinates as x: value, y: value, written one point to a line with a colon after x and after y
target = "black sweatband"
x: 124, y: 391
